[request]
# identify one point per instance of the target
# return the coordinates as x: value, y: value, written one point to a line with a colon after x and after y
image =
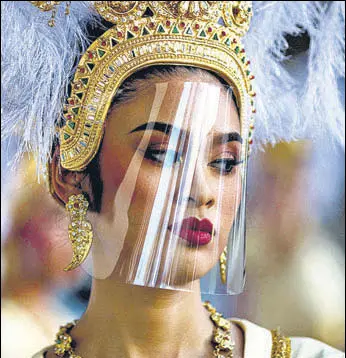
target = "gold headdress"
x: 205, y: 34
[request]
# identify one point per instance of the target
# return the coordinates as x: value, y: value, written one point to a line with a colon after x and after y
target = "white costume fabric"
x: 258, y: 344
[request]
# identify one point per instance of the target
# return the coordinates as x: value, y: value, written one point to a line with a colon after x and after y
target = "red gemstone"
x: 254, y: 111
x: 71, y: 102
x: 135, y: 28
x: 197, y: 26
x: 210, y: 29
x: 250, y: 141
x: 234, y: 41
x: 152, y: 25
x: 252, y: 127
x: 104, y: 43
x: 254, y: 94
x: 223, y: 33
x: 252, y: 77
x: 82, y: 70
x: 69, y: 117
x: 90, y: 55
x: 168, y: 23
x: 248, y: 62
x: 235, y: 11
x: 119, y: 34
x: 182, y: 24
x: 242, y: 50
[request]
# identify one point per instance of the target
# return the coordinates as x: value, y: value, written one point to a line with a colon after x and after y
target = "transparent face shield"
x: 173, y: 167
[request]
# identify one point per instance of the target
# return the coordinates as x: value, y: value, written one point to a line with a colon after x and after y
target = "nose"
x: 201, y: 193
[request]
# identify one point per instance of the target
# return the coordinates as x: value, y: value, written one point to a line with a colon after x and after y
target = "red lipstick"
x: 195, y: 231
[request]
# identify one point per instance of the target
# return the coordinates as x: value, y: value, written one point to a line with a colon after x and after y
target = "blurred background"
x: 295, y: 246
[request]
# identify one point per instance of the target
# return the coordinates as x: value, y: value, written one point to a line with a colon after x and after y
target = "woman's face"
x: 171, y: 182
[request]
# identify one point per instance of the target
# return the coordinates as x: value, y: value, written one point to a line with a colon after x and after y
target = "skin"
x: 142, y: 321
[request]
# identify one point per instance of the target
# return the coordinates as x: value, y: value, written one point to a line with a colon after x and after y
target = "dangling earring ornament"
x: 79, y: 231
x: 223, y: 265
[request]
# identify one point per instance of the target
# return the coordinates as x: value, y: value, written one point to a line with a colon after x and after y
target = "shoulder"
x: 262, y: 343
x: 310, y: 348
x: 43, y: 353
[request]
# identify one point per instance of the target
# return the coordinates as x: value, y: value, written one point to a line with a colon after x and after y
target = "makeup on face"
x: 158, y: 151
x: 195, y: 231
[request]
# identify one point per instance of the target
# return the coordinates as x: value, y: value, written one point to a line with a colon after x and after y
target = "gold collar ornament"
x: 204, y: 34
x: 222, y: 339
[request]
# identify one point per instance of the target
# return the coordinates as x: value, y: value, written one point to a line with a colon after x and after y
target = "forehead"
x: 186, y: 104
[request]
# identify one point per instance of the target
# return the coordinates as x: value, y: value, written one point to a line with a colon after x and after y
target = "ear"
x: 64, y: 183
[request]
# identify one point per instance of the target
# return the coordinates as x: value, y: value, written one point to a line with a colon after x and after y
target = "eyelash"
x: 152, y: 154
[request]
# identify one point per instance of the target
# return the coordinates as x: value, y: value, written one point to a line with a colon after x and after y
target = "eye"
x: 167, y: 157
x: 224, y: 165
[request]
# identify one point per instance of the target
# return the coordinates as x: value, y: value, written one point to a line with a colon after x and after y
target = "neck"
x: 132, y: 321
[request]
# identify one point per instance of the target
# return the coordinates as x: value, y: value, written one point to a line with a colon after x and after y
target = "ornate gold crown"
x: 204, y: 34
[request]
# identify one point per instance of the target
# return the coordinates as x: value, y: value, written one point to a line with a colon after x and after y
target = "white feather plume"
x: 291, y: 107
x: 37, y: 62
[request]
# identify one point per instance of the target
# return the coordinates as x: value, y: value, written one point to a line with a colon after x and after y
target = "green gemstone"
x: 88, y: 125
x: 145, y: 31
x: 86, y: 134
x: 129, y: 35
x: 237, y: 49
x: 75, y: 110
x: 215, y: 37
x: 161, y: 30
x: 90, y: 66
x: 101, y: 53
x: 189, y: 31
x: 248, y: 73
x: 202, y: 34
x: 79, y: 95
x: 85, y: 81
x: 66, y: 137
x: 72, y: 125
x: 175, y: 30
x: 228, y: 42
x: 243, y: 59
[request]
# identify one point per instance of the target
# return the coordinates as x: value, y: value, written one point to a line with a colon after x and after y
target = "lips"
x: 195, y: 231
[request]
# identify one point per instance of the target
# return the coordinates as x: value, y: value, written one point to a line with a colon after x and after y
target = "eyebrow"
x: 167, y: 128
x: 228, y: 137
x: 156, y: 126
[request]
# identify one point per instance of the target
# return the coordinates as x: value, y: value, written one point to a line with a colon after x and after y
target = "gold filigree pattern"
x: 222, y: 338
x: 205, y: 34
x: 45, y: 5
x: 79, y: 231
x: 281, y: 345
x: 128, y: 47
x: 223, y: 266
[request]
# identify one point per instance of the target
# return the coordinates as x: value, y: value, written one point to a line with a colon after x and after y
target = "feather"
x: 308, y: 106
x: 37, y: 62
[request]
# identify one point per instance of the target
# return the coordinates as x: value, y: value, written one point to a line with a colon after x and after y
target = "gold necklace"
x: 222, y: 340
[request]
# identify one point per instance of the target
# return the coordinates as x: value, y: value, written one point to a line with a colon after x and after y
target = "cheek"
x: 229, y: 203
x: 144, y: 194
x: 129, y: 178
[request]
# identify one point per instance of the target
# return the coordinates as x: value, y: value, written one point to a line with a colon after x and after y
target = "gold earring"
x: 79, y: 231
x: 223, y: 265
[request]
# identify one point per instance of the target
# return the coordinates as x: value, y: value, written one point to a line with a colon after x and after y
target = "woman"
x: 159, y: 156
